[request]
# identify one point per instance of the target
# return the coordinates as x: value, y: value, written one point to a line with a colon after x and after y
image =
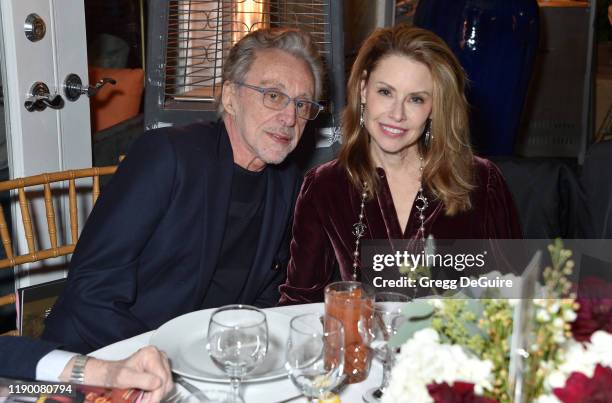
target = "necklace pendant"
x: 359, y: 229
x: 421, y: 202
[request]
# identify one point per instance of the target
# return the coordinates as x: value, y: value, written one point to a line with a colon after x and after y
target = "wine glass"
x: 387, y: 317
x: 237, y: 342
x: 315, y: 354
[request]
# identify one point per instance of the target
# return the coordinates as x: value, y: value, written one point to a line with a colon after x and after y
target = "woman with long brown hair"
x: 406, y: 169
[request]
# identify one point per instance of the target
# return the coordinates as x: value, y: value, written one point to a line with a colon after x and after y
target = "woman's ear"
x: 363, y: 87
x: 227, y: 98
x: 363, y: 90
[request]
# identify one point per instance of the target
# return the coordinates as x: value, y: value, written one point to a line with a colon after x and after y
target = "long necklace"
x: 420, y: 203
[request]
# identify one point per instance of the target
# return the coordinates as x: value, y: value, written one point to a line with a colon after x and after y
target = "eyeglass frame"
x: 264, y: 90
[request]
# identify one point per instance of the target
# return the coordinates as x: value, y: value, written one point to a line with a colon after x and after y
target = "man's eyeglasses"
x: 277, y: 100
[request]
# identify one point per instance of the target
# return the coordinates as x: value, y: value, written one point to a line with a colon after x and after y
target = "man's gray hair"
x: 293, y: 41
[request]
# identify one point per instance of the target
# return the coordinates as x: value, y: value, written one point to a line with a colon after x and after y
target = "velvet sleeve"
x: 311, y: 264
x: 501, y: 216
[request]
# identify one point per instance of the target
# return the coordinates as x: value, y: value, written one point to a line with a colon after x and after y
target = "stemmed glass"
x: 315, y: 354
x: 237, y: 342
x: 387, y: 317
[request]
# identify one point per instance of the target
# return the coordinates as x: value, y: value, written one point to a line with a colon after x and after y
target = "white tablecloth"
x: 261, y: 392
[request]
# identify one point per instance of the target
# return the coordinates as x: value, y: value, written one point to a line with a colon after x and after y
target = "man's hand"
x: 147, y: 369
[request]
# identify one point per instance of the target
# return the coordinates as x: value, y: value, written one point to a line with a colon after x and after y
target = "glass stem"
x: 387, y: 365
x: 235, y: 382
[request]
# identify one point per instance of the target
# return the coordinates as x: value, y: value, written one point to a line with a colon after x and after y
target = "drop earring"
x: 361, y: 119
x: 428, y: 135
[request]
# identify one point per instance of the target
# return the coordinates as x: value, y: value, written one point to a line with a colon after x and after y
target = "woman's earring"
x: 361, y: 120
x: 428, y: 135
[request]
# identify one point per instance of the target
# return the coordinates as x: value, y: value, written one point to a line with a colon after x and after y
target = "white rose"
x: 548, y: 399
x: 556, y: 379
x: 558, y: 323
x: 423, y: 361
x: 559, y: 338
x: 600, y: 348
x: 569, y: 315
x: 427, y: 335
x: 542, y: 315
x: 554, y: 308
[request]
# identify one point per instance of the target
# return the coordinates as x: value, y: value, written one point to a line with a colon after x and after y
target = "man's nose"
x: 288, y: 114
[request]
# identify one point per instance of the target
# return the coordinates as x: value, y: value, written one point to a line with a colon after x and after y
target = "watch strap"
x: 77, y: 375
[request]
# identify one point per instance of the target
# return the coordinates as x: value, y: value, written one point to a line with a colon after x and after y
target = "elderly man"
x: 197, y: 216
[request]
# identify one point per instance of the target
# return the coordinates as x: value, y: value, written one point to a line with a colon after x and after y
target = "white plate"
x: 184, y: 341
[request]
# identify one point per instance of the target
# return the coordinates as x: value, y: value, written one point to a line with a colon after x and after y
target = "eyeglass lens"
x: 277, y: 100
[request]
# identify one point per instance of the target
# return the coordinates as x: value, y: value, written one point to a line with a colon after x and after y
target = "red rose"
x: 460, y: 392
x: 595, y: 312
x: 581, y: 389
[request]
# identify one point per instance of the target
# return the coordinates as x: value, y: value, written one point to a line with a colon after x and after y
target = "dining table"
x: 277, y: 390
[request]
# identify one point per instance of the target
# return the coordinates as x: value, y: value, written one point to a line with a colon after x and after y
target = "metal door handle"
x: 40, y: 98
x: 93, y: 90
x: 41, y: 102
x: 73, y: 87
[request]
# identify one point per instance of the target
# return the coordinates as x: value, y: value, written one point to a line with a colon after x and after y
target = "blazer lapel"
x: 217, y: 184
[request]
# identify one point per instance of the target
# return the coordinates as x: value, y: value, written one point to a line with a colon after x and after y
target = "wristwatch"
x: 77, y: 375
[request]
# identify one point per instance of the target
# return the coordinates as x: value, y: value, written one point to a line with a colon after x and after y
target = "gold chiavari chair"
x: 21, y: 186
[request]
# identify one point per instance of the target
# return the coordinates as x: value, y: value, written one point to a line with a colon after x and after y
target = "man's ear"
x: 227, y: 98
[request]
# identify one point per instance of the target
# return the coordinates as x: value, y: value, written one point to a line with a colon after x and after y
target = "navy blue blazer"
x: 150, y: 246
x: 19, y: 356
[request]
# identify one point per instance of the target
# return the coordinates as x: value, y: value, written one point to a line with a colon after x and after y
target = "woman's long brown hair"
x: 448, y: 160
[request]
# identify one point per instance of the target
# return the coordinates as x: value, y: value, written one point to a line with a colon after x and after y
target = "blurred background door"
x: 41, y: 43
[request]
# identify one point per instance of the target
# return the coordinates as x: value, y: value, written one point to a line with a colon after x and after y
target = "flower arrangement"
x: 464, y: 356
x: 427, y: 361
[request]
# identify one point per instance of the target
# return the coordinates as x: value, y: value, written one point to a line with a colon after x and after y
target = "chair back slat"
x: 37, y: 180
x: 95, y: 192
x: 6, y: 237
x: 8, y: 299
x: 50, y: 216
x: 26, y: 219
x: 74, y: 223
x: 38, y: 255
x: 55, y: 249
x: 56, y: 177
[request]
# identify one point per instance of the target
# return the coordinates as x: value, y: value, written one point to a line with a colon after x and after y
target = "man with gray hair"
x: 198, y: 216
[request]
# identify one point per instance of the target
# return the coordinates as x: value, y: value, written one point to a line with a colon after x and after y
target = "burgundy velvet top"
x: 328, y: 206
